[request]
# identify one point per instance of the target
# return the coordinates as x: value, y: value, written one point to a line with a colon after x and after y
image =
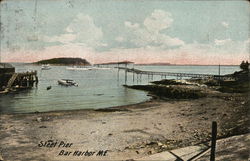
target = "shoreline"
x: 104, y: 109
x: 138, y: 130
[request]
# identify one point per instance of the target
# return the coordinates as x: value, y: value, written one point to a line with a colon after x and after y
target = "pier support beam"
x: 126, y: 76
x: 133, y: 77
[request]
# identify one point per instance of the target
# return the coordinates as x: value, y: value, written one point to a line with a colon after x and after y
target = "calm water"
x: 97, y: 88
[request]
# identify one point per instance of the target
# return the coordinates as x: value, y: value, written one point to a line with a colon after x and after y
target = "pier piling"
x: 21, y: 81
x: 178, y: 75
x: 213, y: 140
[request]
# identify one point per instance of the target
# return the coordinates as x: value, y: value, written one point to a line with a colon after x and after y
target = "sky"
x: 142, y: 31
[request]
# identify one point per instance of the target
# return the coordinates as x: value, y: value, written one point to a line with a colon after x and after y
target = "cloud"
x: 168, y: 41
x: 195, y: 53
x: 81, y: 29
x: 64, y: 38
x: 222, y: 42
x: 149, y: 33
x: 56, y: 51
x: 152, y: 45
x: 119, y: 39
x: 86, y: 30
x: 68, y: 29
x: 227, y: 52
x: 225, y: 24
x: 130, y: 25
x: 147, y: 41
x: 158, y: 20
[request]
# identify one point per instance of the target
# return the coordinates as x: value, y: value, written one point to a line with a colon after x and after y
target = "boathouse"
x: 6, y: 68
x: 6, y: 71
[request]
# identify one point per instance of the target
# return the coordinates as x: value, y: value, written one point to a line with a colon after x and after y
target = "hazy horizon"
x: 145, y: 63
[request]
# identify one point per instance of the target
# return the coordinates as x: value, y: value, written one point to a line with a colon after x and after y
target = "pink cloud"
x: 188, y: 54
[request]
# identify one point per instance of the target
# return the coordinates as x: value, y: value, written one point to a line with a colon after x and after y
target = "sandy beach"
x: 121, y: 133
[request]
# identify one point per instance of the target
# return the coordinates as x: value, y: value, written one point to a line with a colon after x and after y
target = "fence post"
x: 213, y: 141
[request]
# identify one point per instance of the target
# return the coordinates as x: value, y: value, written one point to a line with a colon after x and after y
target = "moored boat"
x: 67, y: 82
x: 46, y: 67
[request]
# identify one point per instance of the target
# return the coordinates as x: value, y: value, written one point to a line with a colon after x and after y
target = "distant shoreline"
x: 113, y: 64
x: 180, y: 65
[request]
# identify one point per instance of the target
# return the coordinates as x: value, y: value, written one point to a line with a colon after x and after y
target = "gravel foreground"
x: 121, y: 133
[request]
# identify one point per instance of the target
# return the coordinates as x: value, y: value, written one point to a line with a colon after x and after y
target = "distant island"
x: 120, y: 62
x: 65, y: 61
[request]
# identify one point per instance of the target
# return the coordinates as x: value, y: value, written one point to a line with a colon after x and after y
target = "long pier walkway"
x: 178, y: 75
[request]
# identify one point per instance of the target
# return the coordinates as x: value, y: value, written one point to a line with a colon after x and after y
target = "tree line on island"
x: 65, y: 61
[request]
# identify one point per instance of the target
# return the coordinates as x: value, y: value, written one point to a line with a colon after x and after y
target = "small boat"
x: 46, y: 67
x: 49, y: 87
x: 67, y: 82
x: 86, y: 68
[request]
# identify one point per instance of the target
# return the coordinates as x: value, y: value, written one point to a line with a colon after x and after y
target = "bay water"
x: 97, y: 88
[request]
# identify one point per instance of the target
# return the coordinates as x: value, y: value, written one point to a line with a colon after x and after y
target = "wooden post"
x: 126, y: 74
x: 118, y: 70
x: 36, y: 78
x: 213, y: 141
x: 137, y: 77
x: 133, y: 73
x: 133, y: 76
x: 219, y: 70
x: 27, y: 81
x: 118, y: 74
x: 219, y: 75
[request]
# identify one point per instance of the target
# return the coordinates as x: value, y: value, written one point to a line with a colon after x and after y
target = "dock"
x: 12, y: 81
x: 178, y: 75
x: 25, y: 79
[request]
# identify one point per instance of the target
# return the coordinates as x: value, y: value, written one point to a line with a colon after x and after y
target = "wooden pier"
x: 178, y: 75
x: 22, y: 80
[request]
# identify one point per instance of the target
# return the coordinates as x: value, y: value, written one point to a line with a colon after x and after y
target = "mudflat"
x: 120, y: 133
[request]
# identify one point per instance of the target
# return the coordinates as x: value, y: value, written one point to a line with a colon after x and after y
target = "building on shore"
x: 6, y: 71
x: 12, y: 81
x: 6, y: 68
